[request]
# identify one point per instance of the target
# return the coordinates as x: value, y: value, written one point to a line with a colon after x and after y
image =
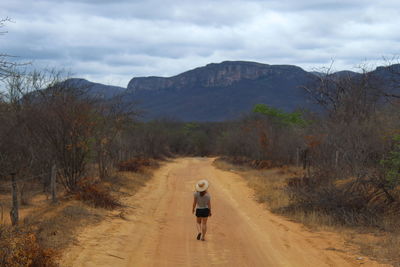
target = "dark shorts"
x: 202, y: 212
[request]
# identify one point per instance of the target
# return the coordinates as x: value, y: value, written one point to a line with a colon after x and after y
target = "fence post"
x: 53, y: 184
x: 14, y: 210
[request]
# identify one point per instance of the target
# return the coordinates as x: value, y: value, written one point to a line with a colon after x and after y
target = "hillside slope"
x: 221, y: 91
x: 229, y: 89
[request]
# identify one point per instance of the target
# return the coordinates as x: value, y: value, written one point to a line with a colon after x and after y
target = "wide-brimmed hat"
x: 202, y: 185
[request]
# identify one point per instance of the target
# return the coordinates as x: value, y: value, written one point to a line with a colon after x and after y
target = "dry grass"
x: 137, y: 164
x: 40, y: 236
x: 97, y: 195
x: 20, y: 247
x: 53, y: 227
x: 107, y: 192
x: 270, y: 186
x: 126, y: 182
x: 56, y: 225
x: 382, y: 246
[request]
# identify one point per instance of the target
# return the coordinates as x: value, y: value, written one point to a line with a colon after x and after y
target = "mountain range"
x: 217, y: 92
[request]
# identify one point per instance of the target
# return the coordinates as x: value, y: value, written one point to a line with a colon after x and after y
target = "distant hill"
x: 223, y: 91
x: 98, y: 89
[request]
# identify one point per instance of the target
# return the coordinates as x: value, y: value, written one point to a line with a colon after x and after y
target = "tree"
x: 6, y: 66
x: 346, y: 97
x: 294, y: 118
x: 65, y: 122
x: 111, y: 118
x: 391, y: 164
x: 51, y: 124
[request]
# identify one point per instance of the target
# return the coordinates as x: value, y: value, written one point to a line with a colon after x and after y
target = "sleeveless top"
x: 202, y: 201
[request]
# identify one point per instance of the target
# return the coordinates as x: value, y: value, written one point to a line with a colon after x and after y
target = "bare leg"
x: 203, y: 228
x: 198, y: 224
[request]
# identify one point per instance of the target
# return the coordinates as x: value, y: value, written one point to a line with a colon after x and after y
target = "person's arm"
x: 194, y: 204
x: 209, y: 206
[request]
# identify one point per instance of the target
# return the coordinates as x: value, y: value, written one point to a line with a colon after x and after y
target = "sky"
x: 113, y: 41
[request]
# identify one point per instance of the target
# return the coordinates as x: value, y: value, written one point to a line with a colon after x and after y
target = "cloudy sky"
x: 113, y: 41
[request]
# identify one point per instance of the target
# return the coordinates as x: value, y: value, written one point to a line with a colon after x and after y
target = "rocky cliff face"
x: 218, y: 92
x: 227, y: 90
x: 213, y: 75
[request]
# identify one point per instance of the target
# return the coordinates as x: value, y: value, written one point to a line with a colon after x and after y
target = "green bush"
x: 391, y: 164
x: 294, y: 118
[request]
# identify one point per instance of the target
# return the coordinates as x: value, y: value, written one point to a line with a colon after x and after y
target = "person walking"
x: 202, y: 206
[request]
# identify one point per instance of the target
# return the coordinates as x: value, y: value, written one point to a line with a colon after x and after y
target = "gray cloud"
x: 112, y: 41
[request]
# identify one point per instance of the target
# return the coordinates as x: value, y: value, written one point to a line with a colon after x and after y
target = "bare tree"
x: 6, y: 64
x: 112, y: 117
x: 347, y: 96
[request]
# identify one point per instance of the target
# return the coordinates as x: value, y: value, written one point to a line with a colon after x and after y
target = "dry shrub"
x: 97, y: 195
x: 347, y: 202
x: 20, y: 248
x: 252, y: 163
x: 59, y: 229
x: 136, y: 164
x: 307, y: 197
x: 268, y: 184
x: 379, y: 245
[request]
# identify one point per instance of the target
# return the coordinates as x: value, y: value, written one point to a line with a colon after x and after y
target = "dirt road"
x: 161, y: 230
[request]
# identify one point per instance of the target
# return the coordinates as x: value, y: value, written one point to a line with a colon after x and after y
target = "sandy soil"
x: 160, y: 230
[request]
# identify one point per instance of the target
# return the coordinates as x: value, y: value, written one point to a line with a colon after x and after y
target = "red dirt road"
x: 161, y: 230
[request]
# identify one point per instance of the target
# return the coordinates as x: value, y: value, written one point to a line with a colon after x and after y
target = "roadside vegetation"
x: 61, y: 148
x: 337, y: 168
